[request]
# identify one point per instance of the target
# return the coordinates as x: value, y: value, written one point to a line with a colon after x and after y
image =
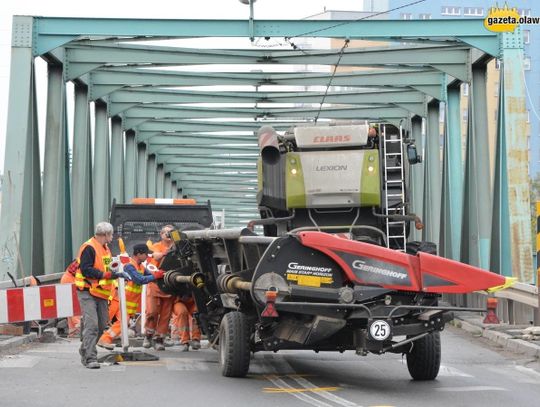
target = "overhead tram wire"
x: 345, y: 45
x: 356, y: 20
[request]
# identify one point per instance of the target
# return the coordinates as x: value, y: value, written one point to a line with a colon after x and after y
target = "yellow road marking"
x: 302, y: 390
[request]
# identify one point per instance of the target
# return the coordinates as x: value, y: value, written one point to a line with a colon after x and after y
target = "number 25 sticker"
x: 379, y: 330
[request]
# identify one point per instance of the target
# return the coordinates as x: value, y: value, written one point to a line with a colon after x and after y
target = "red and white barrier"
x: 38, y: 302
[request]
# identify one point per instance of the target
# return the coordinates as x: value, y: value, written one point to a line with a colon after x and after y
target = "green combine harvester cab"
x: 337, y: 178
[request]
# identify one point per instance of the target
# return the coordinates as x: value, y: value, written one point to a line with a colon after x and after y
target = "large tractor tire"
x: 424, y: 359
x: 234, y: 349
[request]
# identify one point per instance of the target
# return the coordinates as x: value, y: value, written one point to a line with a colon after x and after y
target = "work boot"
x: 185, y: 347
x: 147, y: 342
x: 93, y: 364
x: 106, y: 345
x: 168, y: 342
x: 158, y: 344
x: 195, y: 344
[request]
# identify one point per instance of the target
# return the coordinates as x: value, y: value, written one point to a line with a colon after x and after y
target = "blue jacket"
x: 137, y: 277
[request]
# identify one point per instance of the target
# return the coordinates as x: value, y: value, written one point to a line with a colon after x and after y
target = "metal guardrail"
x: 517, y: 304
x: 22, y: 282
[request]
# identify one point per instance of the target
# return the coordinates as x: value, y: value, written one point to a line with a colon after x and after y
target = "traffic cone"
x: 491, y: 316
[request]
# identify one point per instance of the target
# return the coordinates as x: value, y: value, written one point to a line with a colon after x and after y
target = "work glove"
x: 122, y: 274
x: 158, y: 274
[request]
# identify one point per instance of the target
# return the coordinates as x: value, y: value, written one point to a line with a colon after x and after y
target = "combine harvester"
x: 334, y: 270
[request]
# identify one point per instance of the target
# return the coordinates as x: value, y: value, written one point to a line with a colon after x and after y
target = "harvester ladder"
x: 394, y: 187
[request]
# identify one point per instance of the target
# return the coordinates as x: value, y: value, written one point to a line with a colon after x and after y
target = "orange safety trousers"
x: 115, y: 329
x: 74, y: 323
x: 158, y: 311
x: 182, y: 317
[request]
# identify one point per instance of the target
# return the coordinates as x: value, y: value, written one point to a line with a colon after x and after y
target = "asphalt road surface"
x: 473, y: 373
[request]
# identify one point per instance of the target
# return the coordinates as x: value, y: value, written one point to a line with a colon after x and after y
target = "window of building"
x: 465, y: 89
x: 527, y: 63
x: 424, y: 16
x: 526, y: 36
x: 465, y: 114
x: 497, y: 64
x: 450, y: 11
x: 528, y: 116
x: 524, y: 12
x: 406, y: 16
x: 473, y: 11
x: 496, y: 89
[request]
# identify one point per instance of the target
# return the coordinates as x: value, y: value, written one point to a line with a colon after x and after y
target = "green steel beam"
x: 217, y: 178
x: 105, y: 81
x: 204, y: 159
x: 167, y: 187
x: 56, y: 205
x: 452, y: 197
x: 204, y: 150
x: 416, y: 176
x: 130, y: 167
x: 151, y: 178
x: 160, y: 181
x: 101, y: 178
x: 136, y: 116
x: 53, y: 32
x: 476, y: 225
x: 81, y: 173
x: 126, y: 101
x: 80, y: 60
x: 203, y: 170
x: 21, y: 240
x: 432, y: 177
x: 199, y: 140
x: 149, y: 128
x: 143, y: 174
x: 511, y: 246
x: 117, y: 160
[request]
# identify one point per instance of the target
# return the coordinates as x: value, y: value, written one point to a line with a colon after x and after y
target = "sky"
x: 201, y: 9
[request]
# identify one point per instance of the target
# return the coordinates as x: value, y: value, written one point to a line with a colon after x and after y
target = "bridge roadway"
x: 473, y: 373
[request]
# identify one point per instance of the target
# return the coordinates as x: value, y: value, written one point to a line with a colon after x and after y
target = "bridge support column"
x: 117, y: 160
x: 151, y: 175
x: 130, y: 185
x: 167, y: 192
x: 102, y: 180
x: 143, y: 178
x: 476, y: 225
x: 416, y: 176
x: 21, y: 239
x: 82, y: 206
x: 432, y: 177
x: 452, y: 195
x: 511, y: 245
x: 56, y: 197
x: 160, y: 180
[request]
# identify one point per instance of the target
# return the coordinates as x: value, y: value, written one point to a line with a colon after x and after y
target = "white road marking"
x: 282, y: 362
x: 532, y: 376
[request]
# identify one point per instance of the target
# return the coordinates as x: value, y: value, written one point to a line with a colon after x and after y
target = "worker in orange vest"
x: 139, y: 276
x: 74, y: 322
x: 93, y: 280
x: 158, y: 304
x: 184, y: 326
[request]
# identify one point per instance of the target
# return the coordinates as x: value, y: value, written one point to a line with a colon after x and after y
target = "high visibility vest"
x: 98, y: 288
x: 133, y: 291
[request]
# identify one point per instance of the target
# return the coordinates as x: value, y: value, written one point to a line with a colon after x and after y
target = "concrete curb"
x: 502, y: 339
x: 17, y: 341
